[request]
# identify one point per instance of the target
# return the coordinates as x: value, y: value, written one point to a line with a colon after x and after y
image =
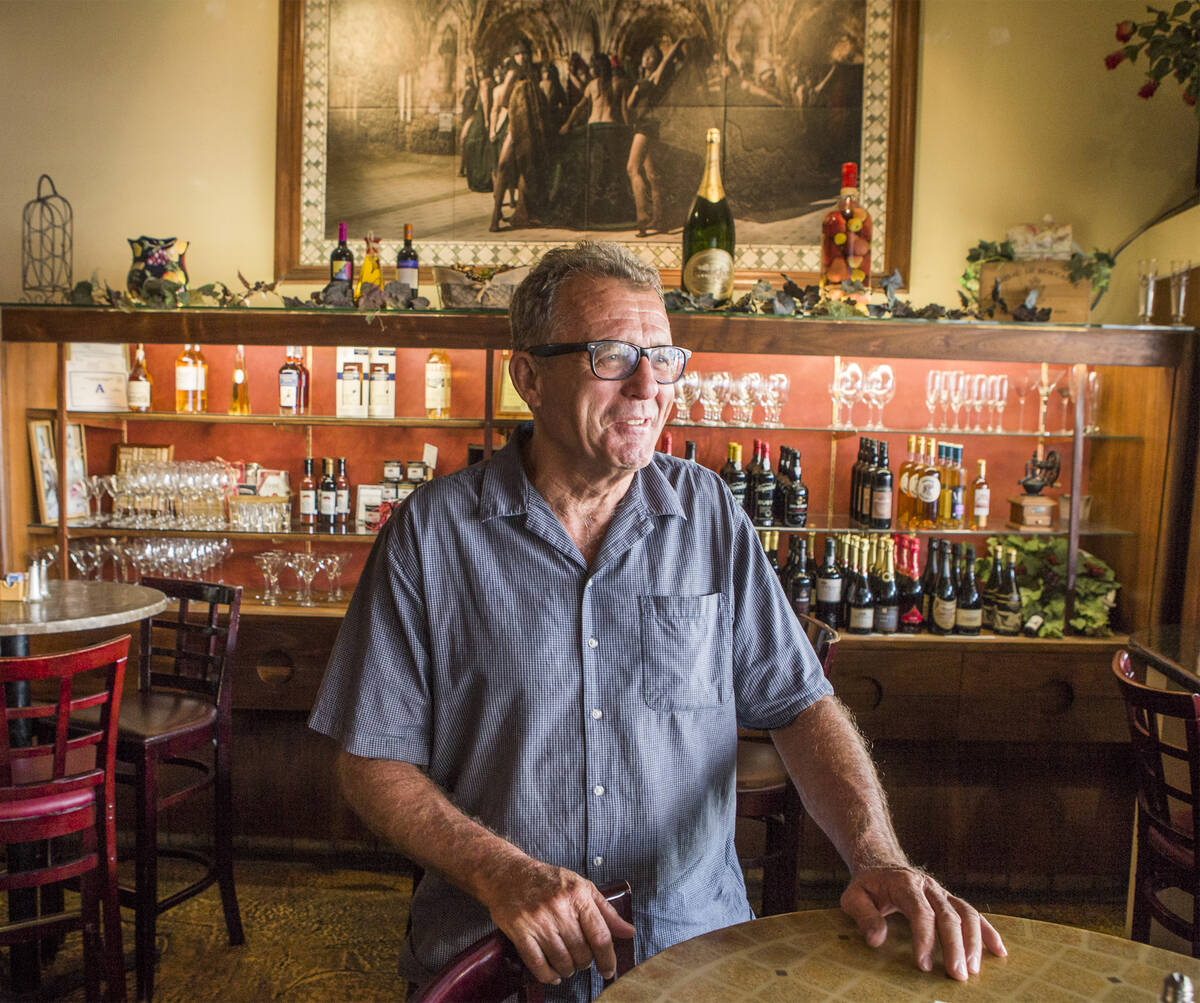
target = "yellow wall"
x: 158, y: 117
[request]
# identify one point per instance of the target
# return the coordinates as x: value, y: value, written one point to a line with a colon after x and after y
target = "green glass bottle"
x: 708, y: 233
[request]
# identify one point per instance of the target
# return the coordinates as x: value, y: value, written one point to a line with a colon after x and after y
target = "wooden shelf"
x: 288, y: 537
x: 983, y: 641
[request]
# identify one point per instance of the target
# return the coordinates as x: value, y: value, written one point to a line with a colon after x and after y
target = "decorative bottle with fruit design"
x: 846, y: 239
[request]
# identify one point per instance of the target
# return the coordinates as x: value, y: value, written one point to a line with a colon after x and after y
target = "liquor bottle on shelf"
x: 752, y: 476
x: 783, y: 479
x: 437, y: 385
x: 708, y: 237
x: 845, y: 239
x: 341, y: 260
x: 138, y: 383
x: 911, y: 616
x: 945, y: 598
x: 407, y: 261
x: 907, y: 481
x: 795, y: 500
x: 845, y: 540
x: 968, y: 613
x: 772, y: 544
x: 1006, y: 620
x: 943, y: 503
x: 305, y: 381
x: 1033, y: 625
x: 734, y: 475
x: 956, y: 560
x: 668, y: 444
x: 812, y: 556
x: 326, y: 494
x: 689, y: 450
x: 800, y: 582
x: 993, y: 587
x: 341, y: 483
x: 933, y: 564
x: 829, y: 587
x: 881, y: 491
x: 191, y: 381
x: 862, y: 601
x: 887, y: 595
x: 764, y: 489
x: 239, y: 393
x: 929, y: 489
x: 289, y: 382
x: 981, y: 498
x: 308, y: 495
x: 958, y: 493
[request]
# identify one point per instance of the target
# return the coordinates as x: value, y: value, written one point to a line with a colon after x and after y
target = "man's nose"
x: 641, y: 382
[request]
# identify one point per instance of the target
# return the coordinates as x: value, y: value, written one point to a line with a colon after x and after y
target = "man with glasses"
x: 539, y: 680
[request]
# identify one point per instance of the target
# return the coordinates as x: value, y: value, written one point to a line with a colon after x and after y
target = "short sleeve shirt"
x: 587, y: 714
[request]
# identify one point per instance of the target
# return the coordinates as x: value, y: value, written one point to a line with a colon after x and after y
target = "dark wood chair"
x: 491, y: 970
x: 65, y: 786
x: 1164, y: 730
x: 183, y: 706
x: 765, y: 793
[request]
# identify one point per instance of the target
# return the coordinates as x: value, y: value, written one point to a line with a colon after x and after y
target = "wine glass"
x: 847, y: 391
x: 714, y: 389
x: 332, y: 565
x: 95, y: 489
x: 1066, y: 392
x: 978, y: 397
x: 1091, y: 402
x: 772, y: 394
x: 305, y: 565
x: 879, y: 390
x: 86, y: 557
x: 1045, y: 387
x: 270, y: 563
x: 997, y: 393
x: 933, y: 393
x: 742, y: 390
x: 957, y: 384
x: 687, y: 392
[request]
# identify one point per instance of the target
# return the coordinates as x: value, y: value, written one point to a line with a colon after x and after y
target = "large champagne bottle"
x: 708, y: 233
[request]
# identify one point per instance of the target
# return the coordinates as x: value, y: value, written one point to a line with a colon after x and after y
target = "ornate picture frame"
x: 305, y: 234
x: 45, y: 468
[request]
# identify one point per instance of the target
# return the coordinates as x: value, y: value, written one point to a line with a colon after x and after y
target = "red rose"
x: 1148, y: 89
x: 1125, y: 31
x: 1114, y: 59
x: 1189, y: 99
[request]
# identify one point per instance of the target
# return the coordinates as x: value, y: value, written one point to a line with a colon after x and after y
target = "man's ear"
x: 526, y: 379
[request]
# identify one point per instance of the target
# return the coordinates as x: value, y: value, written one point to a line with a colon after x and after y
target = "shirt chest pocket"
x: 686, y: 651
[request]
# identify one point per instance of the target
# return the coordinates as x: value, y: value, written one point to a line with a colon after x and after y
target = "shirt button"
x: 597, y: 713
x: 592, y: 642
x: 597, y: 861
x: 598, y: 790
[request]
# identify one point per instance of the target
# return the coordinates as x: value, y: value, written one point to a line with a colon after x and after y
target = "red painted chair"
x: 1168, y: 816
x: 183, y: 706
x: 491, y: 970
x: 65, y: 786
x: 765, y: 793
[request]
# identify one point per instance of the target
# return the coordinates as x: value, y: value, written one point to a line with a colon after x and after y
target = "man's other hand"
x: 557, y: 920
x: 934, y: 914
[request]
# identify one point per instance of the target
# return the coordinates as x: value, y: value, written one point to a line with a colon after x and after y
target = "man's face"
x: 603, y: 427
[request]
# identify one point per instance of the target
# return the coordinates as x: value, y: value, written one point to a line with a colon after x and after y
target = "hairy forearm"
x: 832, y: 769
x: 401, y: 804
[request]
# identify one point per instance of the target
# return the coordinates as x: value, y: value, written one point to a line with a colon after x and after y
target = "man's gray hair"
x: 532, y: 310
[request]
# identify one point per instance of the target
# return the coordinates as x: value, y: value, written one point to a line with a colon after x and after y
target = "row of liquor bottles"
x: 365, y: 386
x: 874, y: 585
x: 933, y: 490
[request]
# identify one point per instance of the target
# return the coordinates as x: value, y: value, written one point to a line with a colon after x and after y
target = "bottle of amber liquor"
x: 191, y: 381
x: 138, y: 384
x: 239, y: 395
x: 845, y: 239
x: 437, y: 385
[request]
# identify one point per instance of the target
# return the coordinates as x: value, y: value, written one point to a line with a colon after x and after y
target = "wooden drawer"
x: 900, y: 695
x: 1068, y: 696
x: 280, y: 661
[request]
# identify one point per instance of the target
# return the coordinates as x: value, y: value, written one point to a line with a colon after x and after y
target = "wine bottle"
x: 708, y: 239
x: 968, y: 612
x: 437, y: 385
x: 289, y: 382
x: 667, y: 445
x: 887, y: 596
x: 795, y: 508
x: 912, y: 595
x: 239, y: 393
x: 138, y: 383
x: 341, y: 260
x: 764, y: 490
x: 689, y: 450
x: 933, y: 562
x: 407, y: 262
x: 733, y: 474
x: 829, y: 587
x: 811, y: 568
x: 341, y: 484
x: 862, y: 600
x: 881, y: 491
x: 1006, y: 620
x: 308, y: 494
x: 771, y: 544
x: 327, y: 494
x: 945, y: 599
x: 800, y: 583
x: 993, y: 587
x: 191, y: 381
x: 981, y: 498
x: 929, y: 490
x: 845, y: 239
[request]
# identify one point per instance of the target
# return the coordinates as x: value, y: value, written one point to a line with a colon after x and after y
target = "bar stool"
x: 765, y: 793
x: 61, y: 787
x: 1168, y: 812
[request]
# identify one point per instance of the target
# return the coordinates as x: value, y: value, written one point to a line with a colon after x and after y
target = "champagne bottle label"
x: 709, y: 271
x: 881, y: 504
x: 829, y: 590
x: 739, y: 493
x: 887, y: 619
x: 912, y: 617
x: 137, y: 393
x: 862, y: 618
x: 982, y: 502
x: 801, y: 598
x: 796, y: 513
x: 929, y: 487
x: 944, y: 613
x: 968, y: 619
x: 437, y: 386
x: 187, y: 379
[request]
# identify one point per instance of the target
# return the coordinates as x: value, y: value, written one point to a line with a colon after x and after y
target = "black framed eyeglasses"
x: 617, y: 360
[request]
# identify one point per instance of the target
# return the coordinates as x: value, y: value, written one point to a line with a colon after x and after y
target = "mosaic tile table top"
x: 820, y: 955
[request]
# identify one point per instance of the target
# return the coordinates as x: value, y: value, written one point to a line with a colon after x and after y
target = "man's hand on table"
x: 557, y: 920
x: 934, y: 914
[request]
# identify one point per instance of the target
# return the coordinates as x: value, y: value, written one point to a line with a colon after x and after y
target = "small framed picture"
x: 78, y: 506
x: 45, y: 470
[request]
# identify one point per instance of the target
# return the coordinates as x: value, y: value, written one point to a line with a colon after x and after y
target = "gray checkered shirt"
x: 589, y: 715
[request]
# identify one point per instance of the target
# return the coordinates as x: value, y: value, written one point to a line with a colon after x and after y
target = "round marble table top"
x: 820, y: 955
x: 75, y: 605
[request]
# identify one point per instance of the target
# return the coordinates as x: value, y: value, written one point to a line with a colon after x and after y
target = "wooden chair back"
x: 491, y: 970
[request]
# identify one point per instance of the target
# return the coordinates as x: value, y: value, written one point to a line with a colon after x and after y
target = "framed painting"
x: 500, y: 129
x: 78, y: 505
x: 45, y: 469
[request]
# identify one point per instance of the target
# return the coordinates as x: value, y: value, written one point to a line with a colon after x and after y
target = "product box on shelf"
x: 353, y: 386
x: 1068, y: 301
x: 382, y: 393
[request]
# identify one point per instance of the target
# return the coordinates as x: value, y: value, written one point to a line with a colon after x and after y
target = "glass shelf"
x: 872, y: 432
x: 104, y: 418
x: 841, y: 524
x: 318, y: 536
